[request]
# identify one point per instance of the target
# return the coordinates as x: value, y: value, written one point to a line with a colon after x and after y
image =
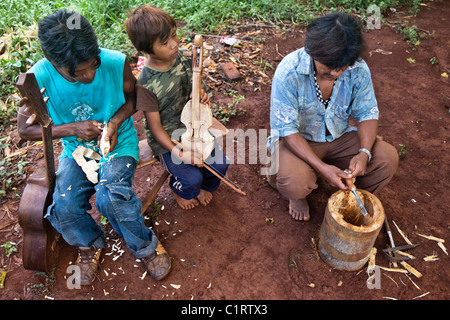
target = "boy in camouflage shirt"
x: 163, y: 88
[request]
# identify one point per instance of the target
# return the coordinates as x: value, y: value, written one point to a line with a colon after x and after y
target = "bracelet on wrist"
x: 369, y: 155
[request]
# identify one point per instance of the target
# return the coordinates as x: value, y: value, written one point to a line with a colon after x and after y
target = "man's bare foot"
x: 185, y: 204
x: 299, y: 209
x: 204, y: 197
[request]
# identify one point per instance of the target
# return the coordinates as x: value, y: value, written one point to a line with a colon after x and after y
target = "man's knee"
x: 297, y: 185
x: 381, y: 168
x: 387, y: 158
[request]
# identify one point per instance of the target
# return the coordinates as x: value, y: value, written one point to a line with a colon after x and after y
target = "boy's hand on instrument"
x: 191, y: 157
x: 186, y: 156
x: 204, y: 98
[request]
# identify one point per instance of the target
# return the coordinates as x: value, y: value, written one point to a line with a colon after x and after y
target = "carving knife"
x: 352, y: 187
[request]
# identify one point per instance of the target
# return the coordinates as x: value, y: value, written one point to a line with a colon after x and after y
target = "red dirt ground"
x: 228, y: 250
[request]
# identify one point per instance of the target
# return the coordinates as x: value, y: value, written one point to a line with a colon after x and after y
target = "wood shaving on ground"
x: 440, y: 242
x: 422, y: 295
x: 393, y: 269
x: 415, y: 285
x: 402, y: 233
x: 371, y: 265
x: 431, y: 237
x: 391, y: 279
x: 441, y: 245
x: 433, y: 257
x: 405, y: 254
x: 411, y: 269
x: 380, y: 51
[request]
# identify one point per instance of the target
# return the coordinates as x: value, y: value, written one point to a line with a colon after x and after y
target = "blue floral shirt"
x: 295, y: 107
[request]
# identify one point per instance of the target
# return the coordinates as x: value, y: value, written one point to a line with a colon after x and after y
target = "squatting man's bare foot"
x: 299, y: 209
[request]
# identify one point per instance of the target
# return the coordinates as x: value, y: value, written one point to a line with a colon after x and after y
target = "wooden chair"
x: 146, y: 159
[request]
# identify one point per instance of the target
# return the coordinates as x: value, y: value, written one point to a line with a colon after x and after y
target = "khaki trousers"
x: 295, y: 179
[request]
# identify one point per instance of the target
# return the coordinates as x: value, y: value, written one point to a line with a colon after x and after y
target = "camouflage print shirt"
x: 165, y: 92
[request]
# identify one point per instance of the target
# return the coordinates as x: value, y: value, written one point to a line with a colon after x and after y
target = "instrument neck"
x: 47, y: 140
x: 196, y: 95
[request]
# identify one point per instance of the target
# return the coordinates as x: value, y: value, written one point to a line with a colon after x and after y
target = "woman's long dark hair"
x: 335, y: 40
x: 67, y: 38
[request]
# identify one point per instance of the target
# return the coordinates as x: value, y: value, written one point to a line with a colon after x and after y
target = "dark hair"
x: 67, y: 39
x: 335, y: 40
x: 148, y: 23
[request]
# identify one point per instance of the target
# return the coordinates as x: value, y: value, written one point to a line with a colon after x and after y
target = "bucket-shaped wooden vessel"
x: 346, y: 236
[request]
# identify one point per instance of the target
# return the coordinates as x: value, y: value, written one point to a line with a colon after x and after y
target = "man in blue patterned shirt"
x: 316, y: 91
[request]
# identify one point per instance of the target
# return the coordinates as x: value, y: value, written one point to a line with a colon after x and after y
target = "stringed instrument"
x: 196, y: 116
x: 41, y: 242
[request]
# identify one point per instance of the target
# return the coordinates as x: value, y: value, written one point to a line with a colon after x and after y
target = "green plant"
x: 157, y: 208
x: 402, y: 151
x: 103, y: 220
x: 11, y: 172
x: 413, y: 35
x: 410, y: 35
x: 48, y: 280
x: 232, y: 109
x: 10, y: 248
x: 434, y: 61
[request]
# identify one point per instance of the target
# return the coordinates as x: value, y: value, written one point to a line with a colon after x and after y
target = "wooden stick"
x: 147, y: 201
x: 224, y: 179
x: 402, y: 234
x: 411, y: 269
x: 394, y: 270
x: 430, y: 237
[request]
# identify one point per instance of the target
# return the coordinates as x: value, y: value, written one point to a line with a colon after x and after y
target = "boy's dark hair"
x: 148, y: 23
x: 67, y: 39
x: 335, y: 40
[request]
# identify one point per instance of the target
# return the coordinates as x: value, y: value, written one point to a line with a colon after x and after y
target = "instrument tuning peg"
x: 42, y: 90
x: 46, y: 99
x: 31, y: 119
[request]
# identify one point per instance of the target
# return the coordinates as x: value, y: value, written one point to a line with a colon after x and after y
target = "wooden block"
x: 230, y: 71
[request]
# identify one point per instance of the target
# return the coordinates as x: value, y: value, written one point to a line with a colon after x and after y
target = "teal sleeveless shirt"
x: 100, y: 100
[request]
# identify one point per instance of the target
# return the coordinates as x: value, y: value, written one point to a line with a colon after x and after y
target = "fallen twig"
x: 393, y: 269
x: 402, y: 234
x: 440, y: 241
x: 411, y: 269
x: 431, y: 237
x: 422, y: 295
x: 415, y: 285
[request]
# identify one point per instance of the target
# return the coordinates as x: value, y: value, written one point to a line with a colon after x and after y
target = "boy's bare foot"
x: 185, y: 204
x: 204, y: 197
x: 299, y: 209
